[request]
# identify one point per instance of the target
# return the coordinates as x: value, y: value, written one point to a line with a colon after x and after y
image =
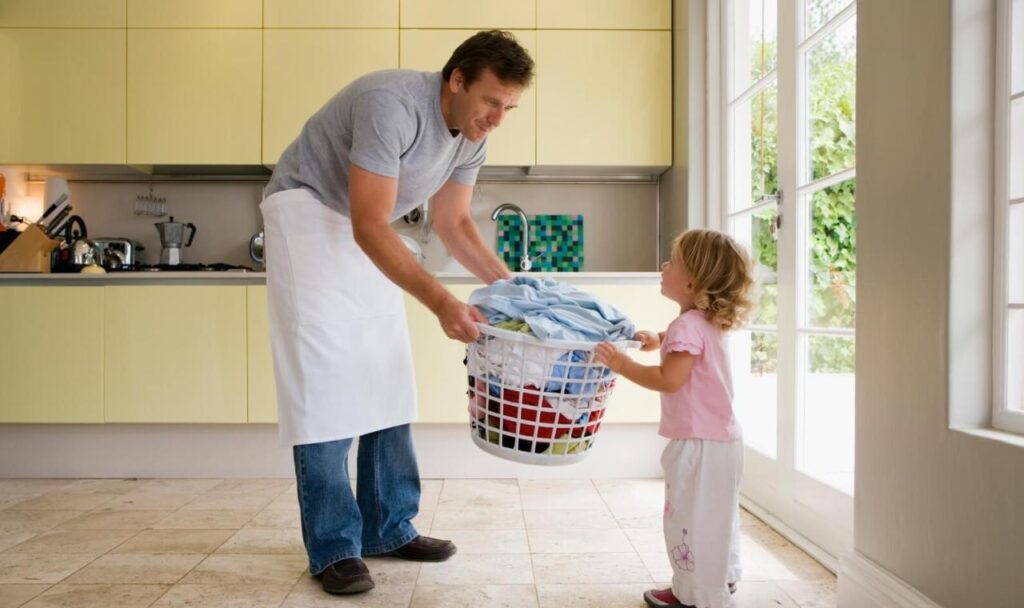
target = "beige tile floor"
x: 120, y: 543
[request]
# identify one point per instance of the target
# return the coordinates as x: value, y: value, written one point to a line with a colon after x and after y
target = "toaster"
x: 115, y: 253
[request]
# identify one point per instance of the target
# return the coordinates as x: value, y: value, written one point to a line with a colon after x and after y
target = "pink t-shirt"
x: 702, y: 408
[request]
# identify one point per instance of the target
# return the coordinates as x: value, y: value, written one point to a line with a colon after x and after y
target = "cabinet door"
x: 514, y: 142
x: 52, y: 354
x: 305, y: 68
x: 195, y: 13
x: 330, y: 13
x: 262, y: 401
x: 648, y: 309
x: 175, y: 353
x: 63, y: 96
x: 472, y: 14
x: 604, y: 98
x: 62, y: 13
x: 440, y: 375
x: 604, y: 14
x: 194, y: 96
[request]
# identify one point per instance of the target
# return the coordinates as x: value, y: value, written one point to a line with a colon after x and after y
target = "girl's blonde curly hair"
x: 722, y: 275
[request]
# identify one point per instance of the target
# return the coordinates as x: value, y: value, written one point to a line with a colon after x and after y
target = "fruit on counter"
x: 93, y: 269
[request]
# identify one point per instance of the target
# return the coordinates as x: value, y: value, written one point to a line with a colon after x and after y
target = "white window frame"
x: 819, y: 514
x: 1004, y: 416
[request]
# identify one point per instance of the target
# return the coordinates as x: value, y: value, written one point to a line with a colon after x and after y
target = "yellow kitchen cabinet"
x: 63, y: 96
x: 52, y: 354
x: 175, y: 353
x: 330, y: 13
x: 604, y: 98
x: 195, y: 13
x: 514, y: 142
x: 194, y: 96
x: 62, y: 13
x: 262, y: 402
x: 441, y: 381
x: 648, y: 309
x: 604, y: 14
x: 440, y: 375
x: 305, y: 68
x: 472, y: 14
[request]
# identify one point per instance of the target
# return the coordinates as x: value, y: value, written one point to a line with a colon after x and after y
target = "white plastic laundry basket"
x: 534, y: 401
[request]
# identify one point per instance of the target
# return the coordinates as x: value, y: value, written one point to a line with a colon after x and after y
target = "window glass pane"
x: 1017, y: 47
x: 820, y: 11
x: 753, y: 43
x: 1015, y: 360
x: 832, y: 257
x: 831, y: 73
x: 755, y: 232
x: 1015, y: 259
x: 754, y: 170
x: 825, y: 440
x: 755, y: 384
x: 1016, y: 174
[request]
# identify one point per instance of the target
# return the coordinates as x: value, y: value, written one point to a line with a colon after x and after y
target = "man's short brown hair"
x: 496, y: 50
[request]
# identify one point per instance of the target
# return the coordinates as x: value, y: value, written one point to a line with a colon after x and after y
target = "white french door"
x: 787, y: 171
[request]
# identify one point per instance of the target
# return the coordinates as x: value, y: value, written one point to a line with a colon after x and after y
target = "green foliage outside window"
x: 831, y: 284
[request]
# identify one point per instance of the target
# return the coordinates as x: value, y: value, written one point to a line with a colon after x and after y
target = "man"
x: 336, y: 271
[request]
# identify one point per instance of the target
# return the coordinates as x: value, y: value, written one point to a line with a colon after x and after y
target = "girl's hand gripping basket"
x: 534, y: 401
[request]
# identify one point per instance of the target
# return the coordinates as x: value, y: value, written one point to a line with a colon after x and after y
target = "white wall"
x: 620, y: 220
x: 940, y: 509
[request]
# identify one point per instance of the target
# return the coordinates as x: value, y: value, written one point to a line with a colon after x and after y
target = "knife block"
x: 30, y: 252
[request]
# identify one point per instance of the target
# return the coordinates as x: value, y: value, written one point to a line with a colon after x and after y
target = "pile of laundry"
x: 543, y: 396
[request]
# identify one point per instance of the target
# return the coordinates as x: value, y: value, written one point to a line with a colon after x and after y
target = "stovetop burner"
x: 217, y: 267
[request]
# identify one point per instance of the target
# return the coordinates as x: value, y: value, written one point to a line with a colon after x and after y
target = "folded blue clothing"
x: 554, y: 310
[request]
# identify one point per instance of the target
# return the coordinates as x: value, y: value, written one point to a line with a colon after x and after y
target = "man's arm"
x: 372, y: 198
x: 458, y: 231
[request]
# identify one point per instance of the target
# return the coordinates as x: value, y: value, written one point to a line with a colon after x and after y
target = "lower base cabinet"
x: 201, y: 354
x: 175, y: 353
x: 51, y: 354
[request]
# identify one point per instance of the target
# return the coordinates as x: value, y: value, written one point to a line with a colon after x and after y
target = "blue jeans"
x: 337, y: 524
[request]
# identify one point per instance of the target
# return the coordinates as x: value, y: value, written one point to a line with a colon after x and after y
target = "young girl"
x: 709, y: 275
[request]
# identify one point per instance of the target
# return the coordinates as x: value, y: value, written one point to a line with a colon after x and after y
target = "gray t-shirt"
x: 388, y: 123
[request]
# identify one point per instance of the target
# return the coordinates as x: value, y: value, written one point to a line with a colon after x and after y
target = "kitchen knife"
x: 58, y: 219
x: 58, y: 230
x: 48, y: 214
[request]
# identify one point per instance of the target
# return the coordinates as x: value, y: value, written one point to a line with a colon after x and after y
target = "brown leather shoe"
x: 346, y: 577
x: 424, y: 549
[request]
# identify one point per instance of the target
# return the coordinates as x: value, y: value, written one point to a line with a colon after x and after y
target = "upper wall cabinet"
x: 194, y: 96
x: 604, y: 14
x: 195, y: 13
x: 62, y: 13
x: 604, y: 98
x: 305, y: 68
x: 472, y: 14
x: 330, y: 13
x: 514, y: 142
x: 64, y: 96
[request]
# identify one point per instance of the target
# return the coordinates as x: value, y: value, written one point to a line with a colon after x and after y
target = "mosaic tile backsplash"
x: 556, y: 242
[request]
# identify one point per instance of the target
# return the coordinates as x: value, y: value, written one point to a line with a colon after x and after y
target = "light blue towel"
x: 554, y: 310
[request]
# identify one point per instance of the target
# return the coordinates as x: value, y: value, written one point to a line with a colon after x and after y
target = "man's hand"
x: 458, y: 320
x: 611, y: 357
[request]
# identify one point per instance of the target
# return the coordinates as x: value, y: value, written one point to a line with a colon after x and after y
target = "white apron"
x: 342, y: 360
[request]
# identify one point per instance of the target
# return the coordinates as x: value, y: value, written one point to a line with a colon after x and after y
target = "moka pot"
x: 172, y: 239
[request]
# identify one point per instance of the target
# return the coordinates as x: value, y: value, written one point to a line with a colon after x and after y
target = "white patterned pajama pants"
x: 702, y: 520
